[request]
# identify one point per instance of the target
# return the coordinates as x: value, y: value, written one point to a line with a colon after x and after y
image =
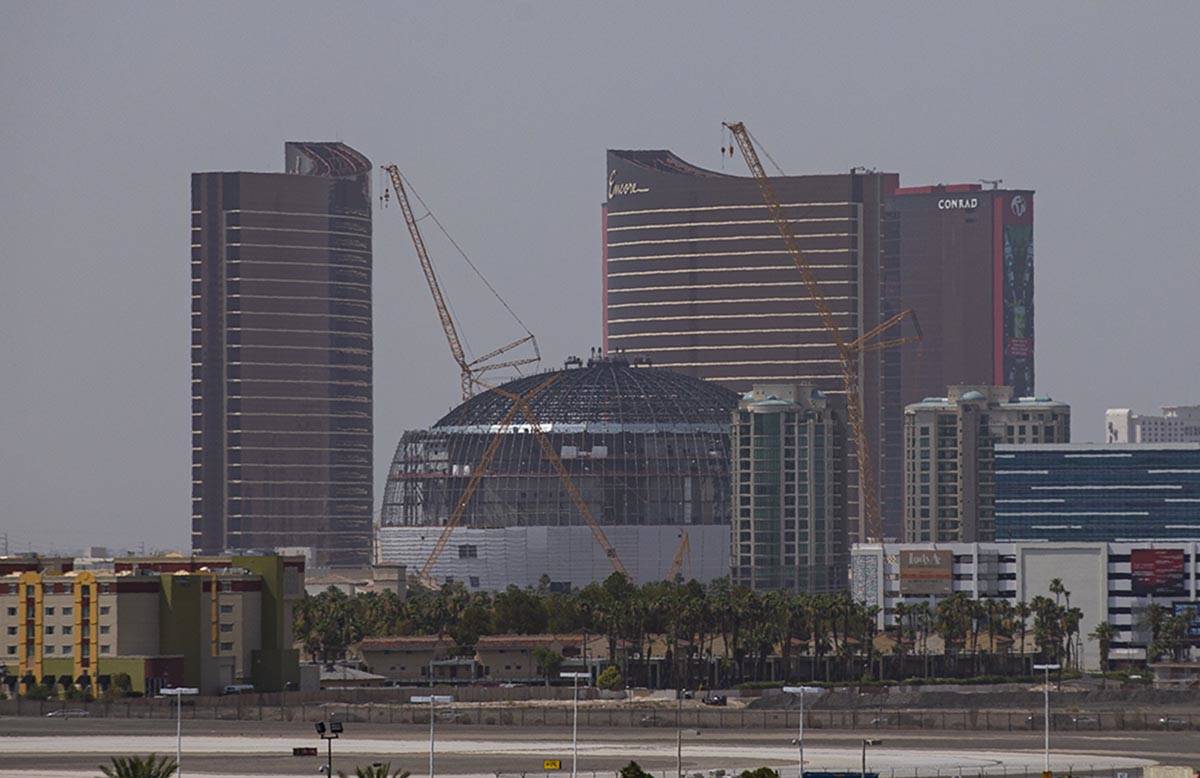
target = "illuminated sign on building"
x: 1157, y: 571
x: 926, y: 572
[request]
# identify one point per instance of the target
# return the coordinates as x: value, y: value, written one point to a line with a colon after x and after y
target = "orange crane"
x: 471, y: 370
x: 426, y: 573
x: 520, y: 404
x: 849, y: 351
x: 682, y: 560
x: 565, y: 477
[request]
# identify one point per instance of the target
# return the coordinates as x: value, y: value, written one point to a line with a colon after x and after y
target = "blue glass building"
x: 1079, y: 492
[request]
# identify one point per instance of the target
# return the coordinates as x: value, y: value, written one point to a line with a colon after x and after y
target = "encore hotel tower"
x: 281, y: 357
x: 696, y: 277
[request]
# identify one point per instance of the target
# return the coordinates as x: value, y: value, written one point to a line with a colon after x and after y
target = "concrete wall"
x: 521, y: 555
x: 1083, y: 571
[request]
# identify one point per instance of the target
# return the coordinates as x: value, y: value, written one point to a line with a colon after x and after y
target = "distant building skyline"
x: 282, y: 428
x: 1177, y: 424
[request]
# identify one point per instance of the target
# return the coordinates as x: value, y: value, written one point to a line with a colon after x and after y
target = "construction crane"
x: 471, y: 370
x: 565, y: 477
x: 425, y: 575
x: 520, y: 404
x: 683, y: 558
x: 849, y: 351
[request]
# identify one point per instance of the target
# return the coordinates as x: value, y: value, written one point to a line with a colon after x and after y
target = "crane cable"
x: 492, y: 289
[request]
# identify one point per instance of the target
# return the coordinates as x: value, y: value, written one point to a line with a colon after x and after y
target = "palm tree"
x: 1023, y: 612
x: 1057, y: 589
x: 377, y: 770
x: 140, y: 767
x: 1103, y: 634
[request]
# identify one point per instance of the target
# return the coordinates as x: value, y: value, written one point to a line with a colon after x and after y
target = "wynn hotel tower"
x: 281, y: 357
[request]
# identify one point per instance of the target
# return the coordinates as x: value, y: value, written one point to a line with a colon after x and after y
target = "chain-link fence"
x: 234, y: 708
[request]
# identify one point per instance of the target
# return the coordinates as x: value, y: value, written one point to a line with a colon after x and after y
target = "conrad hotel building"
x: 697, y: 279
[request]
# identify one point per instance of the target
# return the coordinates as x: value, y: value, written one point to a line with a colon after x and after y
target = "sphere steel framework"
x: 644, y: 446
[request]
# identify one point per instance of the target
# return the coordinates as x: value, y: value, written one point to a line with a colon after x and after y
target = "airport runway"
x: 74, y: 748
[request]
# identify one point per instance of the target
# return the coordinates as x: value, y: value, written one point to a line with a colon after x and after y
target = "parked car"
x: 1173, y: 722
x: 715, y: 699
x: 68, y: 713
x: 238, y: 688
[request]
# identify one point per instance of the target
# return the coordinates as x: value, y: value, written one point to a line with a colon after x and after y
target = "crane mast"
x: 849, y: 352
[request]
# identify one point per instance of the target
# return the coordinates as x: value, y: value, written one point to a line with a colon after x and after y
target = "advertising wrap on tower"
x: 1014, y: 286
x: 1157, y: 571
x: 926, y: 572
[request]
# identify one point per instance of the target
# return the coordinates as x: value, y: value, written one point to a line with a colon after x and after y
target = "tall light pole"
x: 1046, y: 710
x: 334, y: 729
x: 867, y: 741
x: 801, y: 691
x: 431, y: 699
x: 575, y: 718
x: 177, y: 692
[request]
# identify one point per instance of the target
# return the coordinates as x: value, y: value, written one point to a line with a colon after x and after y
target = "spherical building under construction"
x: 647, y: 450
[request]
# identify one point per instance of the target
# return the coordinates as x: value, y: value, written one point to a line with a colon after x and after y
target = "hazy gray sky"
x: 500, y: 114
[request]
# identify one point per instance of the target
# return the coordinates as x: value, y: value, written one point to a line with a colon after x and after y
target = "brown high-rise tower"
x: 697, y: 278
x: 281, y: 357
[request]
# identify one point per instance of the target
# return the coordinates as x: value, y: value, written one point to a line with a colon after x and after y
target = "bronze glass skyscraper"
x: 696, y: 277
x: 281, y: 356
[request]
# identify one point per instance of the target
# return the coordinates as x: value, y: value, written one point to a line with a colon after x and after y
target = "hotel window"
x: 104, y: 628
x: 226, y: 609
x: 67, y: 629
x: 49, y: 611
x: 104, y: 610
x: 68, y: 610
x: 227, y: 628
x: 105, y: 648
x: 226, y: 646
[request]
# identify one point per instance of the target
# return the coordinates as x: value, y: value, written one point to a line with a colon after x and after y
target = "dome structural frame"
x: 645, y: 446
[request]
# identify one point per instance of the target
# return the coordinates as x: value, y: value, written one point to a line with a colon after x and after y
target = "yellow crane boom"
x: 848, y: 350
x: 469, y: 370
x: 485, y: 461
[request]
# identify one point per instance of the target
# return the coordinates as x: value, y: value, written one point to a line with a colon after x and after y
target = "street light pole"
x: 867, y: 742
x: 178, y: 692
x: 574, y: 676
x: 1046, y: 708
x: 431, y: 699
x: 801, y: 691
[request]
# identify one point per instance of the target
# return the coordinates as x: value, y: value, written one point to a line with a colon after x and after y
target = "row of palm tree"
x: 719, y: 633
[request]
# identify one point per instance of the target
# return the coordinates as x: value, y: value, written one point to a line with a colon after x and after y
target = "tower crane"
x: 471, y: 370
x: 682, y: 561
x: 520, y: 404
x: 849, y: 351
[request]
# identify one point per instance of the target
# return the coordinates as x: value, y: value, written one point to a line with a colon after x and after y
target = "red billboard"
x: 1158, y: 571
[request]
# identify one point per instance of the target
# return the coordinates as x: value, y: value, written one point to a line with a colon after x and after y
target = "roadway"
x: 72, y: 748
